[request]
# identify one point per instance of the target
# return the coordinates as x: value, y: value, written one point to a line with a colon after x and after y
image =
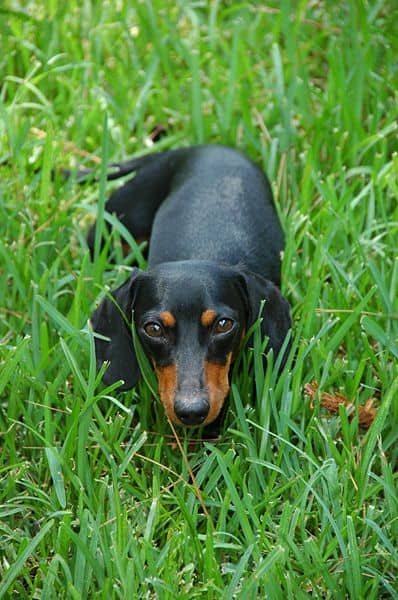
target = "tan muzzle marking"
x: 217, y: 381
x: 167, y: 378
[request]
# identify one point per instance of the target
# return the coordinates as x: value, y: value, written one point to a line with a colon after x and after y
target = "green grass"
x: 96, y: 498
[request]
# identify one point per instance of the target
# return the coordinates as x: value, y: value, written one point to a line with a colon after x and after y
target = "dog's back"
x: 219, y: 208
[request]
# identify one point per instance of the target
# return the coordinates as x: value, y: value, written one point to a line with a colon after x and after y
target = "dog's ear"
x: 112, y: 319
x: 276, y: 319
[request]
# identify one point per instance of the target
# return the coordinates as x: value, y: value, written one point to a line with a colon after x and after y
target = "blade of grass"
x: 18, y: 565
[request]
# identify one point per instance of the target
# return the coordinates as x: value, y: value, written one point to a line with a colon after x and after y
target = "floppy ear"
x: 276, y: 319
x: 112, y: 319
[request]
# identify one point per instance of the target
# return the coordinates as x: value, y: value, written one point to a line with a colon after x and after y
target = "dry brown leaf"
x: 366, y: 413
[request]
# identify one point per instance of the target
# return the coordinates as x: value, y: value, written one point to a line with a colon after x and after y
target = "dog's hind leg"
x: 135, y: 203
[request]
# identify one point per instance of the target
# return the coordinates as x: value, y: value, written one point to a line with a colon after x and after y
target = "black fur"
x: 215, y: 243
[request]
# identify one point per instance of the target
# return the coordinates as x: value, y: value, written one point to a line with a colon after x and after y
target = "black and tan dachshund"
x: 214, y: 256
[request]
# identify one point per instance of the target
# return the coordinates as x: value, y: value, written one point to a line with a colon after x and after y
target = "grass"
x: 96, y: 498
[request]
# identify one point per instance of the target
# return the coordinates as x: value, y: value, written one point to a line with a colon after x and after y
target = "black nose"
x: 191, y: 412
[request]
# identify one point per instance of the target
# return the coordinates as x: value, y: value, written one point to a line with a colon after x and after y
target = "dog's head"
x: 190, y: 318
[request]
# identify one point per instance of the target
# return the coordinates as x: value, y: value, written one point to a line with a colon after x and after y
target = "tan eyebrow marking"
x: 167, y: 318
x: 208, y: 316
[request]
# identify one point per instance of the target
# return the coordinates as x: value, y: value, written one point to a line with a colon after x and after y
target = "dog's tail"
x: 137, y: 200
x: 114, y: 171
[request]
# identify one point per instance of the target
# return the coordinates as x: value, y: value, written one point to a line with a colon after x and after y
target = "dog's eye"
x: 153, y: 329
x: 223, y: 325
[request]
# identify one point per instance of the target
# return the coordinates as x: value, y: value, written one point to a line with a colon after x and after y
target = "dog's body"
x: 214, y: 255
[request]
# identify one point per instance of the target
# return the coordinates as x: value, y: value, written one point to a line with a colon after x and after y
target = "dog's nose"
x: 191, y: 412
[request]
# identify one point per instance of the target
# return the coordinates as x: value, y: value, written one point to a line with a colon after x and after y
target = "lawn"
x: 99, y: 497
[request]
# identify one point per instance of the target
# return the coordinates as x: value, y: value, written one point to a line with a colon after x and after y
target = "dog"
x: 215, y: 244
